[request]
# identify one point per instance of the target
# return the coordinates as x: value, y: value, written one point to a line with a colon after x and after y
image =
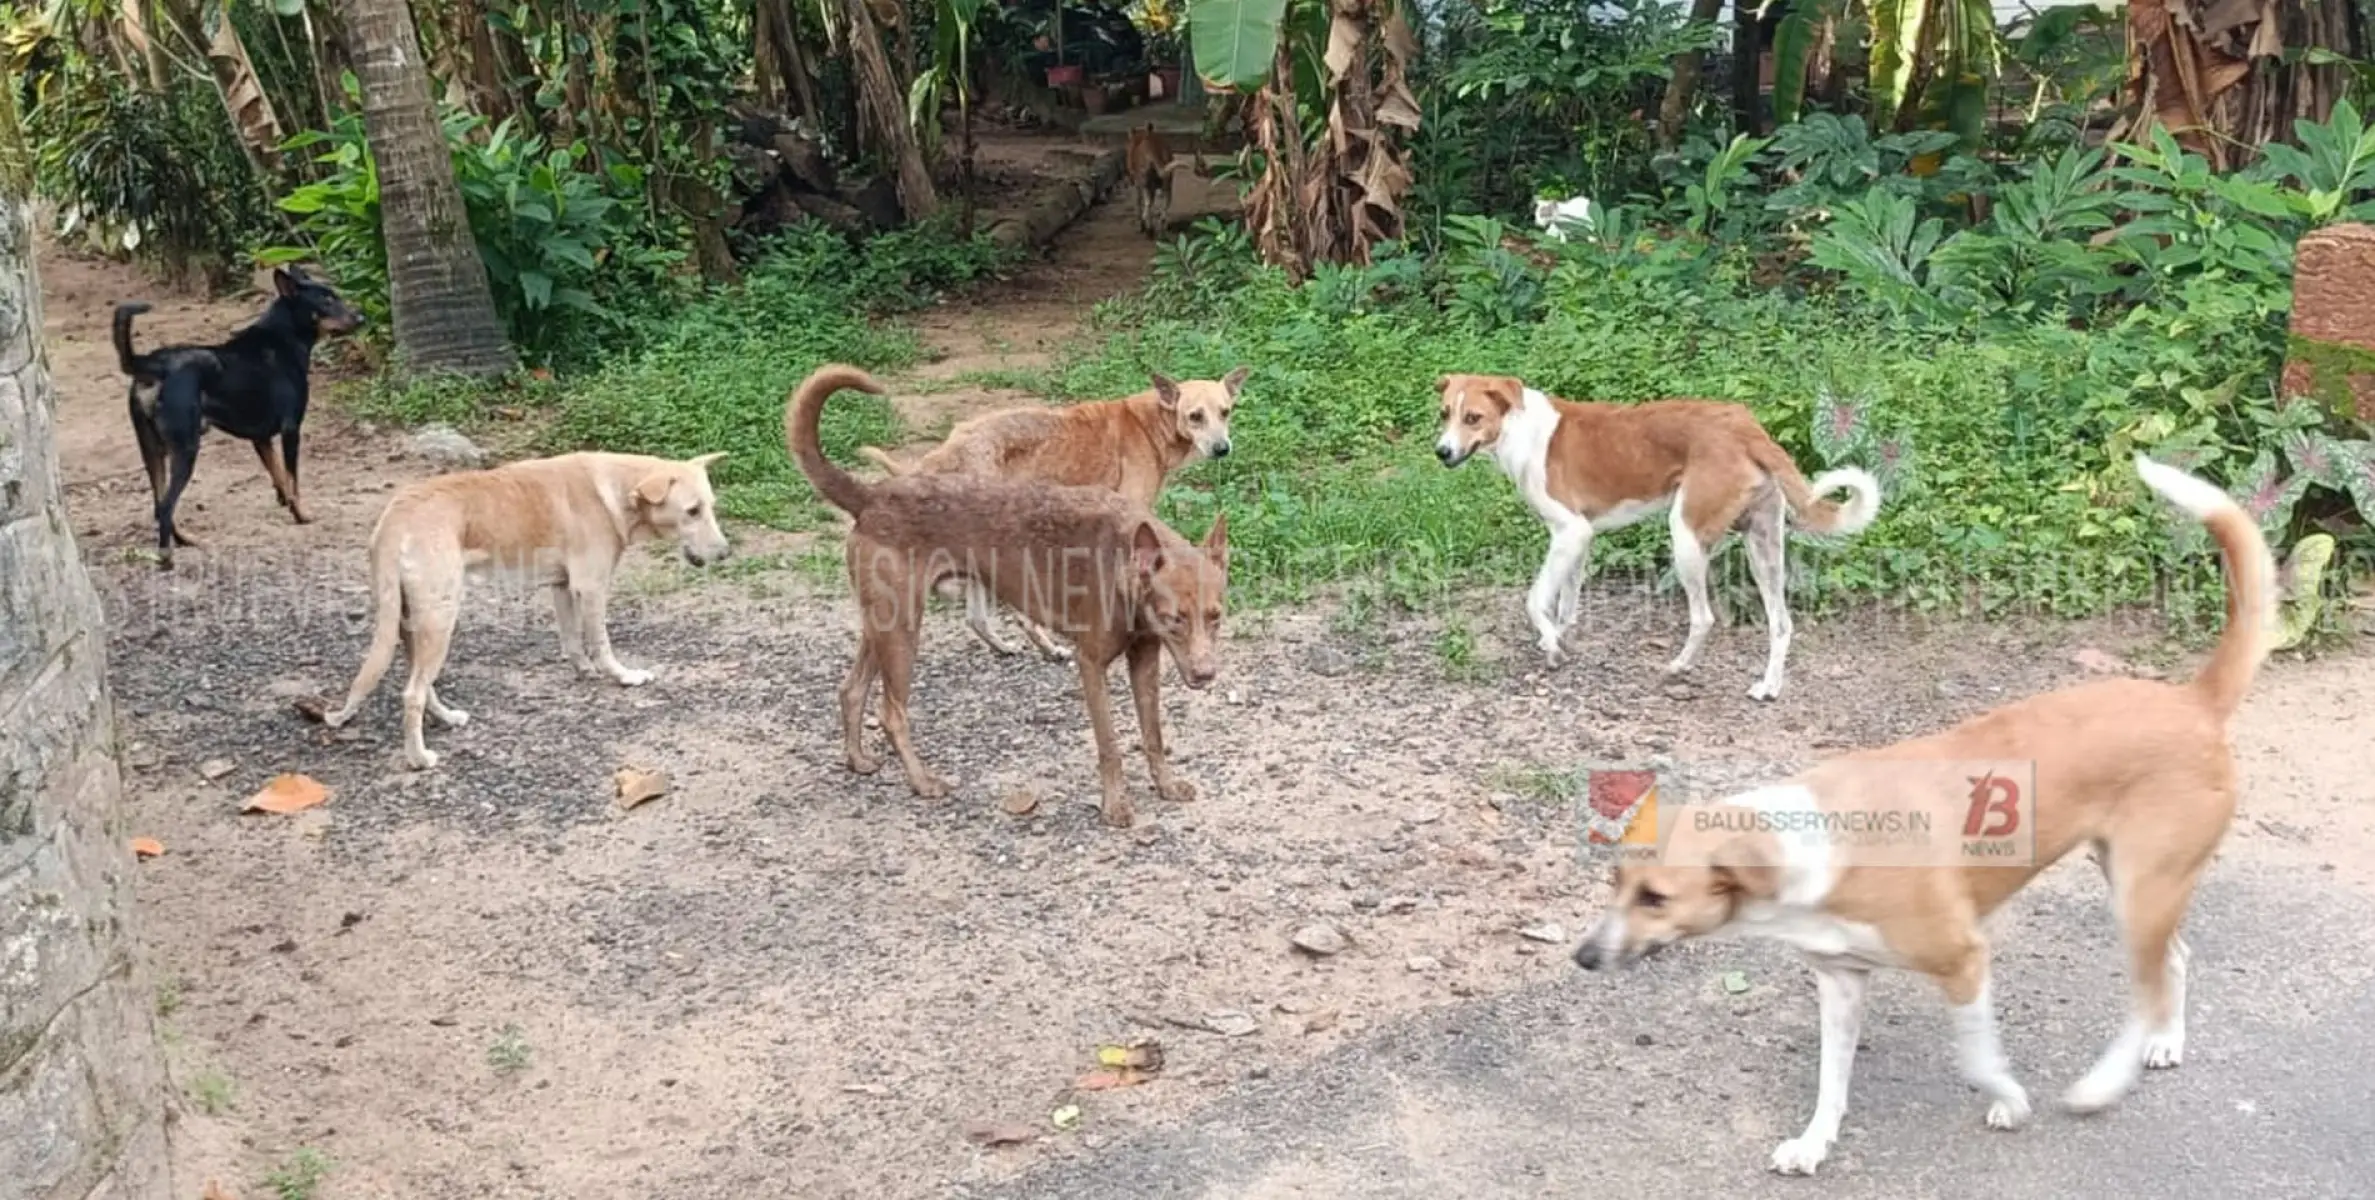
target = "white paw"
x: 2095, y: 1092
x: 1551, y: 653
x: 633, y: 678
x: 421, y: 760
x: 1061, y: 654
x: 2009, y: 1111
x: 456, y: 718
x: 1800, y: 1155
x: 2164, y: 1050
x: 338, y: 719
x: 1764, y: 690
x: 1681, y: 663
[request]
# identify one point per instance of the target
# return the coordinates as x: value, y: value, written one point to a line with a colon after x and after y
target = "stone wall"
x: 82, y: 1093
x: 2330, y: 356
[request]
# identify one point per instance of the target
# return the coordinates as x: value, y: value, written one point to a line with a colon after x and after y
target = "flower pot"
x: 1164, y: 85
x: 1067, y: 75
x: 1096, y: 99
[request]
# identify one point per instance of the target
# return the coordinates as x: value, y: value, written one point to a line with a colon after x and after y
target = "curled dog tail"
x: 1816, y: 514
x: 800, y: 419
x: 2251, y: 581
x: 882, y: 458
x: 126, y: 357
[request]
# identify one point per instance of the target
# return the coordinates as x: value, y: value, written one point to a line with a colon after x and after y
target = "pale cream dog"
x: 561, y: 521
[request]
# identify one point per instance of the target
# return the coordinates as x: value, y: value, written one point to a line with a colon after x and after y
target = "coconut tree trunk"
x: 884, y: 105
x: 82, y: 1091
x: 437, y: 286
x: 1682, y: 80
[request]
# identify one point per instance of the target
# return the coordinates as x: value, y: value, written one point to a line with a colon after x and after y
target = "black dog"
x: 252, y: 387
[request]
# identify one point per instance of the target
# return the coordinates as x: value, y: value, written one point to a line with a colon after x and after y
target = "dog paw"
x: 455, y: 718
x: 2095, y: 1092
x: 1680, y: 665
x: 862, y: 763
x: 632, y: 678
x: 1800, y: 1156
x: 2163, y: 1051
x: 1177, y: 791
x: 300, y: 516
x: 1058, y: 653
x: 421, y: 760
x: 1118, y: 814
x: 2009, y: 1111
x: 930, y: 787
x: 1761, y: 690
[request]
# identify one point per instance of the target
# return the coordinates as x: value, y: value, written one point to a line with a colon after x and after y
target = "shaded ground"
x: 781, y: 980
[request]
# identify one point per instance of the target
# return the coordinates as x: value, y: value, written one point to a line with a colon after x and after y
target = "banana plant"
x: 1931, y: 60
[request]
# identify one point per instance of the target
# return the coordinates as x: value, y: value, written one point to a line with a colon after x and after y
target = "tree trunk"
x: 884, y: 105
x: 437, y: 286
x: 82, y: 1090
x: 1682, y: 82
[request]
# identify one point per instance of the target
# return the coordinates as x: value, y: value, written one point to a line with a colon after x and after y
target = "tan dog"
x: 1089, y: 562
x: 1148, y: 165
x: 2137, y: 770
x: 562, y: 521
x: 1589, y: 468
x: 1129, y: 446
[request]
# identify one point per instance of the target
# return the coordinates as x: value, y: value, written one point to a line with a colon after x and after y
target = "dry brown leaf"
x: 637, y: 786
x: 288, y: 794
x: 1019, y: 802
x: 999, y: 1133
x: 147, y: 847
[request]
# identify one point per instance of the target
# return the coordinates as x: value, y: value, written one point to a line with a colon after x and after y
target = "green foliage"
x: 300, y: 1178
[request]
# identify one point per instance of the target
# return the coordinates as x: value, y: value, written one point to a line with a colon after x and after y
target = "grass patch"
x: 509, y: 1053
x: 300, y: 1178
x: 211, y: 1092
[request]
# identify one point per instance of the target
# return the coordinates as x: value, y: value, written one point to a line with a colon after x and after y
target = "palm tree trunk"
x: 1682, y: 80
x: 884, y: 105
x: 78, y: 1049
x: 437, y: 286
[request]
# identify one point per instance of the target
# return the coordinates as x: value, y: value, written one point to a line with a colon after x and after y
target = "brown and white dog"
x: 561, y: 521
x: 1130, y: 446
x: 1589, y: 468
x: 1089, y: 561
x: 2137, y: 770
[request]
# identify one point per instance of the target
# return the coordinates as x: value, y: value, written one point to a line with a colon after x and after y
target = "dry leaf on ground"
x: 1067, y: 1117
x: 147, y: 847
x: 288, y: 794
x: 636, y: 785
x: 1146, y: 1054
x: 999, y: 1133
x: 1019, y: 802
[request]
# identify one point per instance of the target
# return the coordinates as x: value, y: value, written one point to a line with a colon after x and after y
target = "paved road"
x: 1659, y: 1084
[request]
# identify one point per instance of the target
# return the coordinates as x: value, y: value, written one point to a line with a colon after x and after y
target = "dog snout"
x: 1588, y: 955
x: 1220, y: 448
x: 1447, y: 453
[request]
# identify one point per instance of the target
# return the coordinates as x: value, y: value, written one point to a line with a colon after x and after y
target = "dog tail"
x: 125, y: 356
x: 1806, y: 501
x: 882, y: 458
x: 387, y: 614
x: 2251, y: 581
x: 800, y: 419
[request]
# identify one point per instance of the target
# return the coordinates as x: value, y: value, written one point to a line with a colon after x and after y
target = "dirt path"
x: 780, y: 980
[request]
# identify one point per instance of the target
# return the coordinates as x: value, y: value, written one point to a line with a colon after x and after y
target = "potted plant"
x: 1162, y: 57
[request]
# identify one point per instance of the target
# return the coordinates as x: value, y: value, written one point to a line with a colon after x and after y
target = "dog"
x: 1589, y: 468
x: 2136, y: 769
x: 559, y: 521
x: 1556, y: 217
x: 254, y: 386
x: 1130, y: 446
x: 1087, y: 561
x: 1148, y: 164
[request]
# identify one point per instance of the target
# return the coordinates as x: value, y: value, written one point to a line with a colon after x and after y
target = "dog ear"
x: 654, y: 488
x: 285, y: 283
x: 1216, y: 542
x: 1166, y: 392
x: 1442, y: 383
x: 1748, y: 865
x: 1146, y: 550
x: 1235, y: 380
x: 701, y: 463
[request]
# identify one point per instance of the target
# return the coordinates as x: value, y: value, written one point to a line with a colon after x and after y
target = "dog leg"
x: 152, y: 454
x: 1116, y: 803
x: 1690, y: 567
x: 571, y: 627
x: 433, y: 620
x: 854, y: 688
x: 1977, y: 1051
x: 594, y: 624
x: 185, y: 460
x: 1840, y: 992
x: 895, y: 658
x: 1570, y: 551
x: 981, y: 611
x: 2150, y: 899
x: 1767, y: 537
x: 1146, y: 679
x: 1049, y: 647
x: 451, y: 718
x: 284, y: 489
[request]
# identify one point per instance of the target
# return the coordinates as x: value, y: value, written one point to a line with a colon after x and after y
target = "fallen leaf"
x: 288, y: 794
x: 999, y: 1133
x: 1067, y: 1117
x: 312, y: 708
x: 147, y: 847
x: 638, y: 786
x: 1146, y: 1054
x: 1019, y: 802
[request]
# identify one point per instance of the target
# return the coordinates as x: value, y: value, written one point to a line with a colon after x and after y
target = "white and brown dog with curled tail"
x: 1589, y: 468
x: 2137, y: 770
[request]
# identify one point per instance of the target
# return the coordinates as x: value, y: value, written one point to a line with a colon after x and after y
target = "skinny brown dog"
x: 1088, y: 562
x: 1130, y: 446
x: 561, y: 521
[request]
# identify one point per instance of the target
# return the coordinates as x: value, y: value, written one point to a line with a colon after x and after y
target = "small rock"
x: 1229, y: 1022
x: 1235, y: 696
x: 2099, y: 662
x: 1320, y: 939
x: 1018, y: 802
x: 1329, y: 662
x: 1735, y: 982
x: 1425, y: 815
x: 1423, y: 962
x: 215, y: 768
x: 1324, y: 1019
x: 1546, y: 931
x: 1643, y: 1039
x: 446, y: 449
